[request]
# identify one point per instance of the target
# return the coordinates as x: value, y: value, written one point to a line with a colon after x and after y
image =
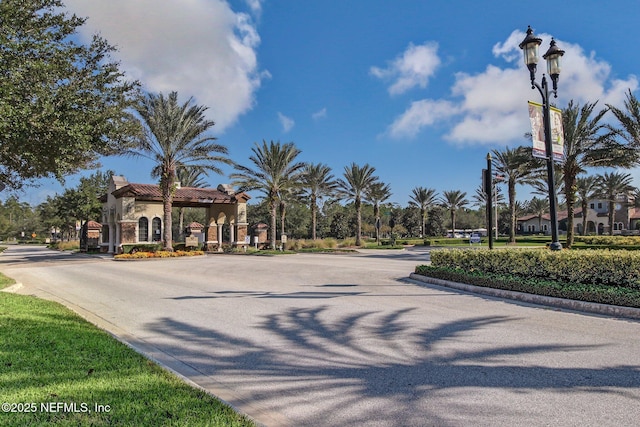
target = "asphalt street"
x: 337, y: 340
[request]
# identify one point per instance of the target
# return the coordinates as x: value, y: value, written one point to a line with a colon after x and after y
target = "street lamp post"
x: 529, y: 47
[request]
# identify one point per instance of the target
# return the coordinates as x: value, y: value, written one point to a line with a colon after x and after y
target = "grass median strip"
x: 58, y: 369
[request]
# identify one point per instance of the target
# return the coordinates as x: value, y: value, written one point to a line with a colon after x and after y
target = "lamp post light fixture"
x: 529, y: 47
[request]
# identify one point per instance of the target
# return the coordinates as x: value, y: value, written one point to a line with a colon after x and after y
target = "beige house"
x: 133, y: 213
x: 626, y: 219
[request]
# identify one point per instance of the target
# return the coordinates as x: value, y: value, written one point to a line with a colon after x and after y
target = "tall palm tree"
x: 587, y: 145
x: 586, y: 188
x: 353, y: 186
x: 629, y: 121
x: 610, y: 186
x: 274, y: 171
x: 423, y: 198
x: 452, y: 201
x: 317, y: 182
x: 189, y: 176
x: 377, y: 193
x: 175, y: 135
x: 516, y: 165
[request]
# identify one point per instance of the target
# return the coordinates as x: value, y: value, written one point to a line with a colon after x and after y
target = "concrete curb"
x: 587, y: 307
x: 13, y: 288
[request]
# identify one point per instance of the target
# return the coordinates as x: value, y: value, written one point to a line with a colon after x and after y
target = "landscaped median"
x: 596, y: 276
x: 58, y: 369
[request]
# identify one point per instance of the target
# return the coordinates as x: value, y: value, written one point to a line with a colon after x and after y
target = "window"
x: 592, y: 206
x: 156, y: 229
x: 143, y: 230
x: 105, y: 233
x: 599, y: 205
x: 544, y: 227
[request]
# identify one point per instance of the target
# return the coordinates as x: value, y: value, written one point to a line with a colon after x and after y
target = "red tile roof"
x: 183, y: 196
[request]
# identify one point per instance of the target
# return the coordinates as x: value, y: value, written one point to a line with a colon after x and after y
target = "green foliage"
x: 602, y: 294
x: 609, y: 240
x: 594, y: 267
x: 4, y: 280
x: 62, y: 104
x: 141, y: 247
x: 17, y: 218
x: 49, y: 354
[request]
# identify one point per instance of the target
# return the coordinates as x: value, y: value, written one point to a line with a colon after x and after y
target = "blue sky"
x: 420, y: 90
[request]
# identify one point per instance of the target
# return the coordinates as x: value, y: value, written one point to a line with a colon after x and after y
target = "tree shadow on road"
x: 374, y: 364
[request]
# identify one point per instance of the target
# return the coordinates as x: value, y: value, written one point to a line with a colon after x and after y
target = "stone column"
x: 219, y: 237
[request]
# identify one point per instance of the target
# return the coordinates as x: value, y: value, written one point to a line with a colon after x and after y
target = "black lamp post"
x: 529, y: 47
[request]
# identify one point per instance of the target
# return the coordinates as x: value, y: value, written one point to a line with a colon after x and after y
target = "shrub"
x: 602, y: 294
x: 72, y: 245
x: 595, y: 267
x: 141, y: 247
x: 609, y: 240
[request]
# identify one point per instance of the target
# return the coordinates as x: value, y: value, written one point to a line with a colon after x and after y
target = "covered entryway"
x: 133, y: 213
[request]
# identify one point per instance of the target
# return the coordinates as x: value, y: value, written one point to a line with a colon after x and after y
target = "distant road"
x: 328, y: 340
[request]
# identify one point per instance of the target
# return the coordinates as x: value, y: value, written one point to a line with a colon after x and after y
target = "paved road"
x: 328, y: 340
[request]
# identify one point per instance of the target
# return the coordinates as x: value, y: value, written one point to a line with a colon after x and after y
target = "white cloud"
x: 420, y: 114
x: 412, y: 68
x: 255, y: 6
x: 491, y: 107
x: 321, y: 114
x: 286, y: 122
x: 199, y: 48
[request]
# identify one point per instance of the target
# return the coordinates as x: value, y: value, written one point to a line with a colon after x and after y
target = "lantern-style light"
x: 529, y: 48
x: 552, y: 57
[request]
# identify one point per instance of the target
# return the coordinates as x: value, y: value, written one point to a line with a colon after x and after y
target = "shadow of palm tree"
x: 372, y: 364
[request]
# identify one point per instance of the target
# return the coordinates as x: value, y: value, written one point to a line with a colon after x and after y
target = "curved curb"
x: 13, y: 288
x: 588, y: 307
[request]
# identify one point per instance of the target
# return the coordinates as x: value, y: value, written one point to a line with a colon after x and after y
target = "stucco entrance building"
x: 133, y: 213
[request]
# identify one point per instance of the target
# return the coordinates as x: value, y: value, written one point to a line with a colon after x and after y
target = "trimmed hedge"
x: 141, y: 247
x: 609, y: 240
x: 603, y: 294
x: 593, y: 267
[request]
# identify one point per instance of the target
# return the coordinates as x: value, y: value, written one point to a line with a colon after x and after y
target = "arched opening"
x: 143, y: 229
x: 156, y: 229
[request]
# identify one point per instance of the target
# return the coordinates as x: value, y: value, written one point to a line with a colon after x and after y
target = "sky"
x: 420, y: 90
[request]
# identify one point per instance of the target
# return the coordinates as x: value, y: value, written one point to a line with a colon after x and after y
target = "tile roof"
x: 183, y: 195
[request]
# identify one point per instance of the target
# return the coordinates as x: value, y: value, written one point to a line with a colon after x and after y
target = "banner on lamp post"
x: 537, y: 132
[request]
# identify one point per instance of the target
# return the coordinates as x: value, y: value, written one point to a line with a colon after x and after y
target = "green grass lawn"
x: 50, y: 357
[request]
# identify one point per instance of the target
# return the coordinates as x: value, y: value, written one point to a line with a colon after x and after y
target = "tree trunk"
x: 611, y: 214
x: 359, y: 221
x: 314, y: 209
x: 167, y: 237
x: 423, y: 215
x: 570, y: 195
x: 274, y: 212
x: 283, y: 214
x: 585, y: 206
x: 512, y: 210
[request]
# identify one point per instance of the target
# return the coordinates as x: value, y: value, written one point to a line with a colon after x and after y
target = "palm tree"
x: 538, y: 207
x: 452, y: 201
x: 517, y: 165
x: 629, y: 120
x: 377, y: 193
x: 585, y: 190
x: 356, y: 181
x: 423, y: 198
x: 585, y: 145
x: 189, y: 176
x: 175, y: 136
x: 317, y: 182
x: 275, y: 170
x: 610, y: 186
